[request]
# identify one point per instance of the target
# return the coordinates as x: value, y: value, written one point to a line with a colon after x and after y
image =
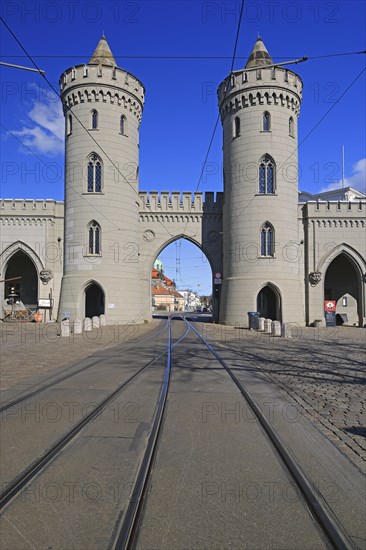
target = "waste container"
x: 253, y: 317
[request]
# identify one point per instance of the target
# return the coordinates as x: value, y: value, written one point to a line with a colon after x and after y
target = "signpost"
x: 217, y: 278
x: 330, y: 313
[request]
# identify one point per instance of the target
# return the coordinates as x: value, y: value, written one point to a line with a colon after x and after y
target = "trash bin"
x: 253, y: 317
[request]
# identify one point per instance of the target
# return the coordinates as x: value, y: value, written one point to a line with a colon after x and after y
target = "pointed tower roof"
x: 259, y: 56
x: 102, y: 54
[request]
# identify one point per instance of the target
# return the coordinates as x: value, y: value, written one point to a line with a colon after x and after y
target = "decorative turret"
x: 259, y: 107
x: 102, y: 54
x: 103, y: 109
x: 259, y: 56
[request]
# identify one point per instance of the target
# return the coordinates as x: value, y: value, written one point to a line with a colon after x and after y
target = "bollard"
x: 87, y: 324
x: 261, y: 323
x: 268, y: 325
x: 78, y: 326
x: 103, y: 320
x: 95, y: 322
x: 276, y: 328
x: 285, y: 331
x: 65, y: 328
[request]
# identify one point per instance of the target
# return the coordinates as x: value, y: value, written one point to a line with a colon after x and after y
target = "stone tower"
x: 263, y: 264
x: 103, y: 108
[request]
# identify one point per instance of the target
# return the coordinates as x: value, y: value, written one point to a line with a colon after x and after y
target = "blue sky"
x: 181, y: 51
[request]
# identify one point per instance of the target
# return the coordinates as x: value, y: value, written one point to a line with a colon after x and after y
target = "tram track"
x: 326, y: 519
x: 14, y: 487
x: 24, y: 397
x: 125, y: 533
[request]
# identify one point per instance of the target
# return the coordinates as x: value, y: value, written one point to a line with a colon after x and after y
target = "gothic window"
x: 236, y: 129
x: 73, y: 73
x: 94, y: 174
x: 69, y: 125
x: 85, y: 70
x: 267, y: 240
x: 259, y: 74
x: 273, y: 73
x: 94, y: 238
x: 123, y: 125
x: 266, y: 121
x: 291, y: 128
x: 267, y: 175
x: 94, y: 119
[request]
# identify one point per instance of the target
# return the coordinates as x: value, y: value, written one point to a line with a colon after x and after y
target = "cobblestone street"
x: 323, y: 370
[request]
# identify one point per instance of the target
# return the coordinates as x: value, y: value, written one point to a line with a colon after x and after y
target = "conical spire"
x: 102, y: 54
x: 259, y: 56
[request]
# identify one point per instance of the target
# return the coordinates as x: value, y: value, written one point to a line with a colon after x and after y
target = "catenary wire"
x: 78, y: 120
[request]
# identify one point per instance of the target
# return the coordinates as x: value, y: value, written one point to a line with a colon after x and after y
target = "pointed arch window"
x: 266, y: 127
x: 94, y: 119
x: 94, y: 174
x: 236, y: 128
x: 267, y: 176
x: 291, y: 126
x: 94, y: 238
x: 267, y: 240
x: 123, y: 125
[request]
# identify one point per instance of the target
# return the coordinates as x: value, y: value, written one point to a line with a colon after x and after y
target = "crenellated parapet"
x: 334, y: 214
x: 334, y: 208
x: 180, y: 202
x: 35, y: 207
x: 102, y: 84
x: 180, y: 207
x: 30, y: 213
x: 263, y: 86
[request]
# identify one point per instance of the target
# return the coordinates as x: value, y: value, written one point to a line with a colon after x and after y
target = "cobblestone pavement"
x: 29, y: 349
x: 323, y: 370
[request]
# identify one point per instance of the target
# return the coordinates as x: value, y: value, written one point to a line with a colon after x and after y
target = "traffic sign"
x: 330, y: 305
x: 218, y: 275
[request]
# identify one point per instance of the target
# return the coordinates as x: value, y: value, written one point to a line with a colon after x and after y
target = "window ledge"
x: 92, y: 193
x: 93, y: 129
x: 266, y: 131
x: 273, y: 257
x: 92, y: 255
x: 266, y: 195
x: 124, y: 135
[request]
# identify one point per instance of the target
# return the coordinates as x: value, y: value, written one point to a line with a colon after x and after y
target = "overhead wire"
x: 78, y: 120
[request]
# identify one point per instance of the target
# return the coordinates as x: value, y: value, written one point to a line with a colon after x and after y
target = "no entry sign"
x: 330, y: 305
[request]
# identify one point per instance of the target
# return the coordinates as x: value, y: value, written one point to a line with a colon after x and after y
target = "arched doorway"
x: 343, y: 284
x: 269, y: 304
x: 26, y: 288
x: 94, y: 300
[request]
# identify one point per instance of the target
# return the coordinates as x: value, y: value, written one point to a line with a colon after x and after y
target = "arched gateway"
x: 255, y: 231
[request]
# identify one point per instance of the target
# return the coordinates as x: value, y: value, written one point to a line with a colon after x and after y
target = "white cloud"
x: 357, y: 180
x: 44, y: 132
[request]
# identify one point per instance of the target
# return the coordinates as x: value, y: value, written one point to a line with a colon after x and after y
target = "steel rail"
x: 17, y: 484
x: 23, y: 397
x: 325, y: 517
x: 127, y: 531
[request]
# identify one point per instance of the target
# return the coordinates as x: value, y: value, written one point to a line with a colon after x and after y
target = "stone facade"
x: 279, y: 252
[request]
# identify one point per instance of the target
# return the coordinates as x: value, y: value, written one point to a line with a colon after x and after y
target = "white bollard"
x: 268, y: 325
x: 285, y: 330
x: 95, y: 322
x: 103, y: 320
x: 261, y: 323
x: 87, y: 324
x: 276, y: 328
x: 65, y: 328
x: 78, y: 326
